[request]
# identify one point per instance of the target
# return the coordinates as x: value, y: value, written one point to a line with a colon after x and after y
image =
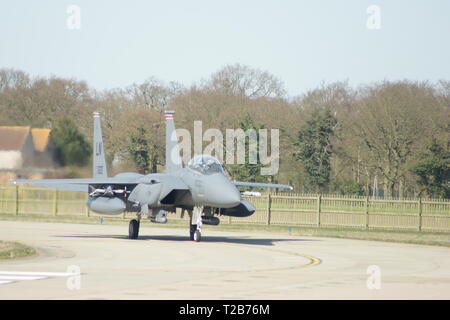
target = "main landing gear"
x: 195, y: 224
x: 133, y: 228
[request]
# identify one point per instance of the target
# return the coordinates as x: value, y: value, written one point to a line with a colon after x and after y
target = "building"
x: 25, y: 152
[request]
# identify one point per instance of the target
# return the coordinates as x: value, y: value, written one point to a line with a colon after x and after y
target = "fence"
x: 271, y: 209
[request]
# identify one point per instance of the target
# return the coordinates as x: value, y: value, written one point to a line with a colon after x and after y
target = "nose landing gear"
x: 195, y: 224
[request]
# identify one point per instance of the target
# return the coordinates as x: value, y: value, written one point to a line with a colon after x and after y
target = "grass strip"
x: 12, y: 250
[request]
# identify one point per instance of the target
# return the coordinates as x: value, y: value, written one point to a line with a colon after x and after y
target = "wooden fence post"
x: 319, y: 208
x: 420, y: 213
x: 17, y: 200
x: 55, y: 202
x: 366, y: 209
x: 269, y: 209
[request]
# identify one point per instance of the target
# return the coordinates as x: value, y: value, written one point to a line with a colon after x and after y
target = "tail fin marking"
x: 173, y: 159
x: 98, y: 156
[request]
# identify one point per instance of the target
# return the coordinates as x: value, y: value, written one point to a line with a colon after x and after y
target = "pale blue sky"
x: 301, y: 42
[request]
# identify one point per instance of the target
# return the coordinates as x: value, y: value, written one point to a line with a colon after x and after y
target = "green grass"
x: 399, y: 236
x: 11, y: 250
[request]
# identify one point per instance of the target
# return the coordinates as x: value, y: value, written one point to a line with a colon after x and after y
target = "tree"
x: 71, y: 146
x: 314, y: 148
x: 153, y: 93
x: 138, y: 136
x: 242, y: 80
x: 138, y: 150
x: 390, y: 126
x: 433, y: 171
x: 340, y: 100
x: 39, y: 102
x: 13, y: 79
x: 248, y: 171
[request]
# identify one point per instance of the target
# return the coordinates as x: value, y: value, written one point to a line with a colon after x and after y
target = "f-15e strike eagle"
x: 201, y: 188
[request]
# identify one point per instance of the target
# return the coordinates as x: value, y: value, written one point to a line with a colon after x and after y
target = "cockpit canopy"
x: 205, y: 164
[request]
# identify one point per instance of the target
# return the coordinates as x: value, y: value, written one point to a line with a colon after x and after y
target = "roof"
x: 13, y: 137
x: 40, y: 138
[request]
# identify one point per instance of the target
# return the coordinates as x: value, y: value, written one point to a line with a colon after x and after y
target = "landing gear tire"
x: 192, y: 229
x: 133, y: 229
x: 195, y: 233
x: 197, y: 236
x: 195, y: 229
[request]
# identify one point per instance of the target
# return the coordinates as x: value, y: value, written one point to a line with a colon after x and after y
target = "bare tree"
x: 43, y: 101
x: 242, y: 80
x: 12, y: 79
x: 142, y: 142
x: 393, y: 123
x: 153, y: 93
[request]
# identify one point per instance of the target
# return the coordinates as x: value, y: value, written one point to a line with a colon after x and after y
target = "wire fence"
x: 271, y: 209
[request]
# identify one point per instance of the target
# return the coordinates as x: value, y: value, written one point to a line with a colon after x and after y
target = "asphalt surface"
x: 81, y: 261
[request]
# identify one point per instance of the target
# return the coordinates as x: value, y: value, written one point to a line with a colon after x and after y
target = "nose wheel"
x: 197, y: 236
x: 195, y: 233
x: 195, y: 224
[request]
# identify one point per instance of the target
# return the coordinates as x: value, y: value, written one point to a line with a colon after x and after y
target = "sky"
x: 112, y: 44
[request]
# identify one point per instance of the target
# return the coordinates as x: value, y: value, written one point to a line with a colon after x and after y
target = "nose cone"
x: 221, y: 193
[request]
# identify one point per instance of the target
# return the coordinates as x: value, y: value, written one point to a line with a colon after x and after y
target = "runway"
x: 82, y: 261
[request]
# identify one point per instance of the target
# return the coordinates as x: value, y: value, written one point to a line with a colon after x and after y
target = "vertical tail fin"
x: 173, y: 159
x: 98, y: 156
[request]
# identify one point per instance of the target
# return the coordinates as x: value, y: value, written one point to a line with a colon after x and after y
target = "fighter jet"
x: 201, y: 188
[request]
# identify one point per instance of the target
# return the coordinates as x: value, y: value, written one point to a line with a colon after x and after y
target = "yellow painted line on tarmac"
x: 313, y: 260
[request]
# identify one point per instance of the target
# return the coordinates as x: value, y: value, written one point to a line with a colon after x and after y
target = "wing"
x: 77, y: 184
x: 261, y: 185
